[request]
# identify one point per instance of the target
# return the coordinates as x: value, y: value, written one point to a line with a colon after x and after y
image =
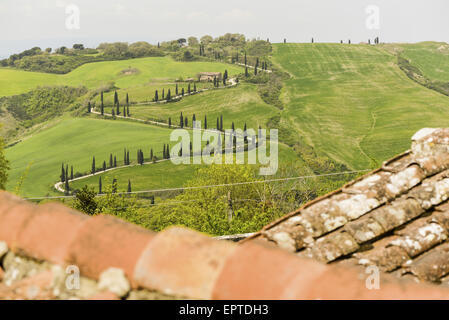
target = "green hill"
x: 75, y: 142
x: 432, y: 58
x: 91, y: 75
x: 353, y: 103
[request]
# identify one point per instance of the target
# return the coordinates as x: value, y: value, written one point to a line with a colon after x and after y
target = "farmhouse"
x: 209, y: 76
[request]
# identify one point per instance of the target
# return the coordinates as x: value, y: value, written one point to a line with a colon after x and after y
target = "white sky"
x: 28, y: 23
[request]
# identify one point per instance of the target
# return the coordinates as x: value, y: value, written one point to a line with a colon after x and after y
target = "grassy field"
x: 145, y: 92
x: 92, y: 75
x: 239, y: 105
x: 154, y: 176
x: 75, y: 142
x: 353, y: 103
x: 432, y: 58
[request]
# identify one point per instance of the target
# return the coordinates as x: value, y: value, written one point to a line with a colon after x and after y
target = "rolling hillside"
x: 75, y: 142
x: 353, y: 103
x: 432, y: 58
x: 92, y: 75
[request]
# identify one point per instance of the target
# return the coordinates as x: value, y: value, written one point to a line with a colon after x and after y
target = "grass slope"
x: 239, y: 105
x: 432, y: 58
x: 353, y: 103
x: 92, y: 75
x: 75, y: 142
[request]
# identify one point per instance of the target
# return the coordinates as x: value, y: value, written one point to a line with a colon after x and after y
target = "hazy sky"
x: 28, y: 23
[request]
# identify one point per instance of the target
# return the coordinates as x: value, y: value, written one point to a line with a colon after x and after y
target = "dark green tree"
x: 168, y: 95
x: 89, y: 107
x: 62, y: 173
x: 205, y: 122
x: 156, y: 96
x: 169, y: 122
x: 93, y: 166
x: 115, y: 162
x: 104, y: 165
x: 85, y: 200
x: 67, y: 187
x: 181, y: 121
x: 102, y: 104
x: 176, y: 90
x: 129, y: 186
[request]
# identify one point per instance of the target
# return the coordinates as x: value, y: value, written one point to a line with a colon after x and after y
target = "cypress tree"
x: 163, y: 153
x: 168, y: 151
x: 188, y: 89
x: 115, y: 162
x: 225, y: 76
x: 102, y: 104
x: 115, y: 98
x: 104, y: 165
x: 232, y: 126
x: 181, y: 121
x: 193, y: 120
x: 152, y: 199
x: 151, y: 154
x: 127, y: 157
x: 205, y: 122
x: 221, y: 122
x: 99, y: 186
x: 89, y: 109
x: 67, y: 188
x: 163, y: 94
x: 118, y: 108
x: 113, y: 114
x: 156, y: 96
x: 194, y: 87
x: 124, y: 111
x: 62, y: 173
x: 182, y: 92
x: 127, y: 111
x: 124, y: 157
x: 127, y: 99
x: 185, y: 122
x: 218, y: 124
x: 176, y: 90
x: 255, y: 68
x: 67, y: 172
x: 129, y: 186
x: 246, y: 72
x: 71, y: 172
x: 168, y: 95
x: 246, y: 61
x: 93, y: 165
x: 169, y: 122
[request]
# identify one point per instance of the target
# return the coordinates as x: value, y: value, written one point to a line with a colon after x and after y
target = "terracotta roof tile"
x: 49, y: 232
x: 396, y: 217
x: 104, y: 242
x: 182, y: 262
